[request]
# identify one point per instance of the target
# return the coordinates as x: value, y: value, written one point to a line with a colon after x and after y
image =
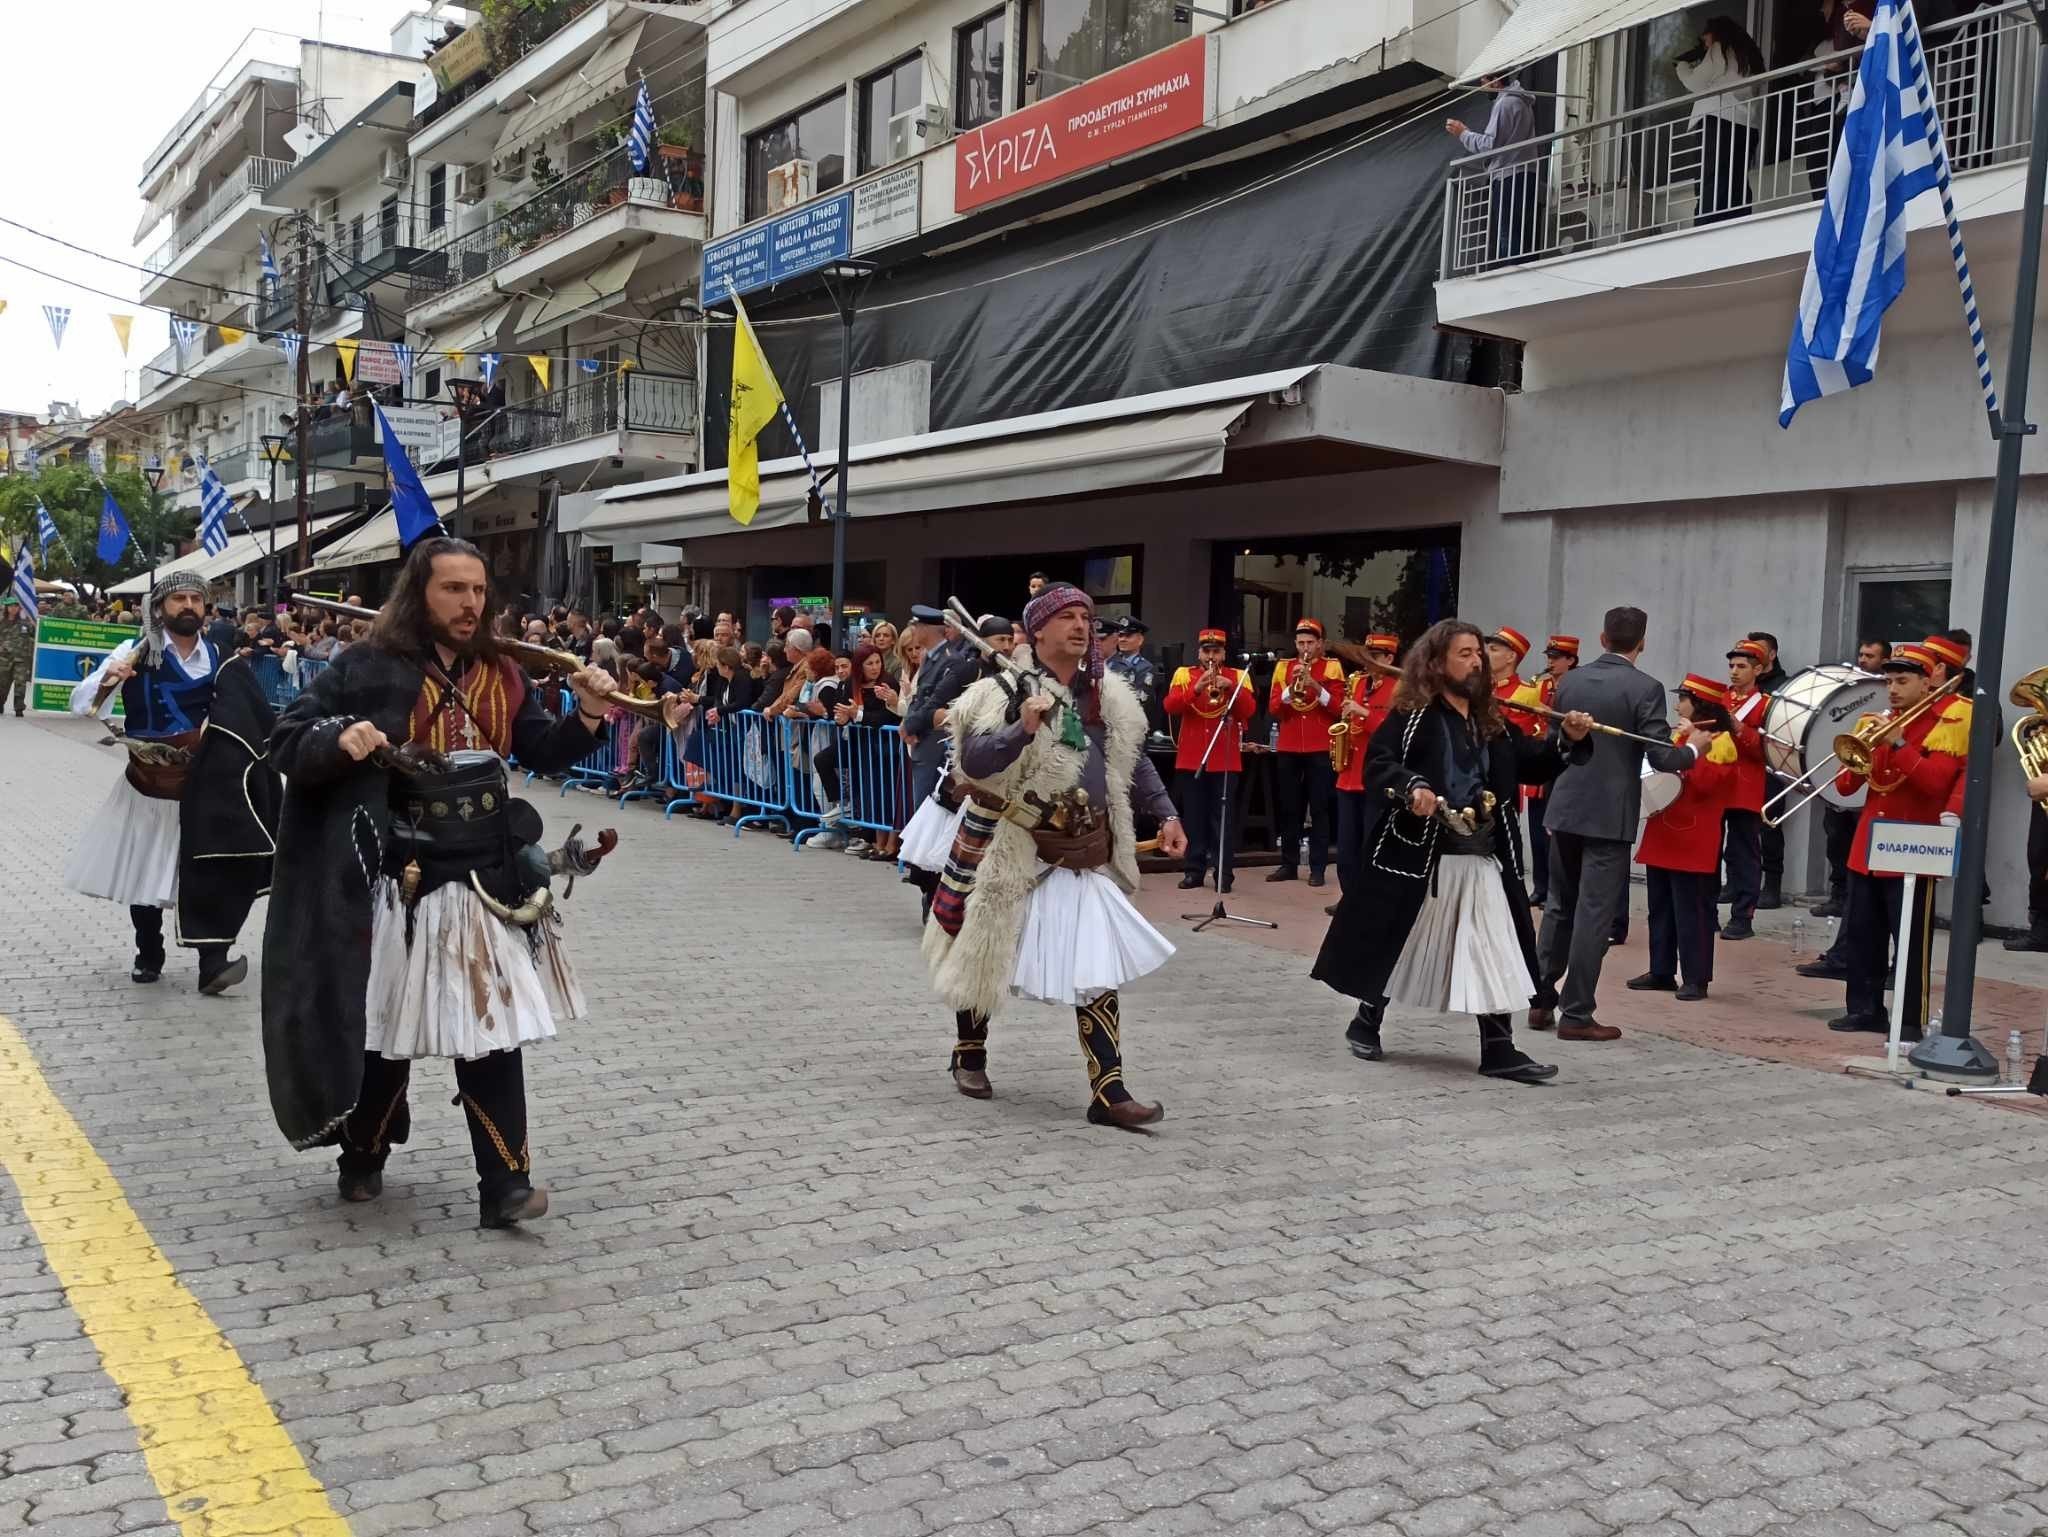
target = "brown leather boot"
x: 973, y: 1083
x: 1126, y: 1115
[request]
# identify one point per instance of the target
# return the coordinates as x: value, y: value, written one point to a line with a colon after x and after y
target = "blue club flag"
x: 417, y: 519
x: 640, y: 141
x: 213, y: 512
x: 25, y: 583
x: 1891, y: 151
x: 114, y: 535
x: 46, y: 529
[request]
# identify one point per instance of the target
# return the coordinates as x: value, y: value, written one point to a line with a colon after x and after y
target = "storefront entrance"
x: 1001, y: 584
x: 1355, y: 584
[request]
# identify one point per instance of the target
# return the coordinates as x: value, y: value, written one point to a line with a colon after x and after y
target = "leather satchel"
x: 1086, y: 850
x: 158, y: 767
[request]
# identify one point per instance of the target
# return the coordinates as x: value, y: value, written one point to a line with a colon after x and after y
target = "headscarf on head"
x: 153, y: 638
x: 1038, y: 614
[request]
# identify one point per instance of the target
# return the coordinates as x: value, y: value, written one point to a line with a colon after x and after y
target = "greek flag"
x: 640, y: 141
x: 271, y: 275
x: 213, y: 512
x: 46, y: 529
x: 403, y: 354
x: 288, y: 344
x: 183, y: 331
x: 1891, y: 151
x: 25, y: 583
x: 489, y: 362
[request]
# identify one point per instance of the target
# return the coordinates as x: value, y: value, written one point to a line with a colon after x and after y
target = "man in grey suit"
x: 1595, y: 805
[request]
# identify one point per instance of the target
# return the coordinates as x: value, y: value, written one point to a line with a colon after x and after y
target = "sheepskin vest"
x: 973, y: 971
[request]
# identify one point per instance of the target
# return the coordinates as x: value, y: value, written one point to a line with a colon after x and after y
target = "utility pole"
x: 303, y: 388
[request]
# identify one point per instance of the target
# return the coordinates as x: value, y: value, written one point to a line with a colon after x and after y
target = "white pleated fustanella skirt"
x: 1462, y: 956
x: 469, y: 984
x: 128, y: 852
x: 1081, y: 939
x: 928, y: 836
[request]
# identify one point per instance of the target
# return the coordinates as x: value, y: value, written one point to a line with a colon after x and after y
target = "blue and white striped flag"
x: 271, y: 275
x: 59, y: 316
x: 288, y: 343
x: 25, y: 583
x: 403, y: 353
x: 1891, y: 151
x: 640, y: 141
x: 214, y: 502
x: 46, y: 529
x: 183, y: 331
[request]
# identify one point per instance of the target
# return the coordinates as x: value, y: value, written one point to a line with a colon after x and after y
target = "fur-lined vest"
x: 973, y: 971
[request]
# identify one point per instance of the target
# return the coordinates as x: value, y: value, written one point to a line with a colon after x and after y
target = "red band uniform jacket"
x: 1200, y: 721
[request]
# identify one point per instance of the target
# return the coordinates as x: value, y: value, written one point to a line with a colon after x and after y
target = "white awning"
x: 1139, y: 440
x: 1539, y: 28
x: 244, y: 550
x: 587, y: 293
x: 480, y: 335
x: 375, y: 541
x: 581, y: 90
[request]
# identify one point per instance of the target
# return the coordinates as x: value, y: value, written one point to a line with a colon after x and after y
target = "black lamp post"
x: 276, y: 449
x: 153, y: 472
x: 845, y: 281
x: 468, y: 395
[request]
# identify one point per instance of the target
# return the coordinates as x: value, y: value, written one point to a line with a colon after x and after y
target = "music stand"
x: 1220, y: 913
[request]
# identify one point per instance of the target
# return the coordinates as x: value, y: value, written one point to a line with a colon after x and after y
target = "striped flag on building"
x: 213, y: 512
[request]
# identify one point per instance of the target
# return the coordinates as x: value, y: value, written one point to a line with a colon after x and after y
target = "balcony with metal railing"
x: 1730, y: 155
x: 210, y: 356
x: 256, y: 174
x: 633, y: 401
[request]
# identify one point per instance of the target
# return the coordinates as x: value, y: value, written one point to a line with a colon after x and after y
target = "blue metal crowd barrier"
x: 270, y: 677
x: 798, y: 741
x: 741, y: 768
x: 668, y: 779
x: 874, y: 778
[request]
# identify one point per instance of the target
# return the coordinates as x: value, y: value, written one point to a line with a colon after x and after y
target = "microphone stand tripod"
x: 1219, y: 913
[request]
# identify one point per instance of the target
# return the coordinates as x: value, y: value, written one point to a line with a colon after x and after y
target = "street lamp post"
x: 153, y: 472
x: 274, y: 451
x: 845, y: 281
x: 467, y: 395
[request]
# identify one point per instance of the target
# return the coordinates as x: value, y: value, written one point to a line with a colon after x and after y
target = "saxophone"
x: 1343, y: 743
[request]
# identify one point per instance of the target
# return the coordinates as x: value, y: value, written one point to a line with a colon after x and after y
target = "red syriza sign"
x: 1145, y: 102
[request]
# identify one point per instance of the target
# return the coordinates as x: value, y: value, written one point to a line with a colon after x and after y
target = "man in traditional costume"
x: 1032, y: 903
x: 190, y: 823
x: 1440, y: 919
x: 417, y: 922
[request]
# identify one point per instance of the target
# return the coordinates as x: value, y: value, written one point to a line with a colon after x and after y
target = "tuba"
x: 2030, y: 731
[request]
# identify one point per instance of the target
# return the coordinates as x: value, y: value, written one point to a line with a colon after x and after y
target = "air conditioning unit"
x: 791, y: 183
x: 512, y: 164
x: 397, y: 171
x: 471, y: 182
x: 917, y: 130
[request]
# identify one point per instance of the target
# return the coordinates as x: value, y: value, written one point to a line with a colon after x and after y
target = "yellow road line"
x: 225, y: 1466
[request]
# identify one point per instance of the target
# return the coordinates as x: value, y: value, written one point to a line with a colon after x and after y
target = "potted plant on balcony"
x: 685, y: 166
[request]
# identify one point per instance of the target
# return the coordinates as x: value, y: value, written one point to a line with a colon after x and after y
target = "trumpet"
x: 2030, y: 731
x: 1212, y: 686
x: 1301, y: 687
x: 562, y: 663
x: 1855, y: 751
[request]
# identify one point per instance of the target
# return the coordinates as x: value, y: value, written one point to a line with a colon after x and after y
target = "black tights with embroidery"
x: 1101, y: 1028
x: 492, y: 1093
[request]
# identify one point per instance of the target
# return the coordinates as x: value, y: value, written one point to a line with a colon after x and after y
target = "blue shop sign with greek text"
x: 781, y: 248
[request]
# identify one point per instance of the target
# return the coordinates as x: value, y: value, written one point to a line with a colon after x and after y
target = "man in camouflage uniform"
x: 17, y: 652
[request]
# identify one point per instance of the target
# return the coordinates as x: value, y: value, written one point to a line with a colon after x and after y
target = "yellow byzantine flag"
x: 756, y: 398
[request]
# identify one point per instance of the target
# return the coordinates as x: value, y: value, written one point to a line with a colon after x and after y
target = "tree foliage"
x: 72, y: 493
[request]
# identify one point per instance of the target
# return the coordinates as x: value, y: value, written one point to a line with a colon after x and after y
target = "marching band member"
x: 1680, y: 851
x: 1744, y: 852
x: 1210, y: 701
x: 398, y: 936
x: 1306, y: 695
x: 1505, y: 649
x: 1912, y: 772
x: 1560, y: 656
x: 1366, y: 707
x: 1032, y: 904
x: 198, y: 799
x: 1440, y: 919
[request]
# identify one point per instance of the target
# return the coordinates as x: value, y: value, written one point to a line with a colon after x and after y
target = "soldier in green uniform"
x: 17, y: 652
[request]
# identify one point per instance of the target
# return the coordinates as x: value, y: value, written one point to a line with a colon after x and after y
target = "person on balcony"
x: 1513, y: 170
x: 1723, y: 115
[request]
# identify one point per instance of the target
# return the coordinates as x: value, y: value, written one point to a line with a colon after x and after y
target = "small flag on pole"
x: 417, y: 519
x: 114, y: 535
x: 59, y: 316
x: 46, y: 528
x: 1891, y: 151
x: 640, y: 141
x: 25, y: 583
x: 213, y: 512
x: 270, y: 272
x: 756, y: 399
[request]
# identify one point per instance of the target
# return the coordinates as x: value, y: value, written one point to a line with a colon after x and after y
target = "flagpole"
x: 1954, y: 1050
x: 845, y: 281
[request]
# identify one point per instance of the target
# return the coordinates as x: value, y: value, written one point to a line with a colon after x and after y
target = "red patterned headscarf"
x: 1053, y: 599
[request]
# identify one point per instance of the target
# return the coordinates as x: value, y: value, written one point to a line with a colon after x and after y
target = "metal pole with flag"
x: 25, y: 583
x: 756, y: 399
x: 213, y: 512
x: 640, y: 141
x: 417, y: 519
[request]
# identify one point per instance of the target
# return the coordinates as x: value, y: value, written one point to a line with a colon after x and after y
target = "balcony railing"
x: 256, y: 174
x: 453, y: 260
x: 636, y: 400
x: 1704, y: 159
x: 175, y: 360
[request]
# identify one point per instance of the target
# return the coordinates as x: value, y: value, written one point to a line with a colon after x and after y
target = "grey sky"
x: 89, y: 95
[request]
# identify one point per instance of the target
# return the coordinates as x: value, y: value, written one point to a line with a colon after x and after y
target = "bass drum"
x: 1660, y: 791
x: 1805, y: 716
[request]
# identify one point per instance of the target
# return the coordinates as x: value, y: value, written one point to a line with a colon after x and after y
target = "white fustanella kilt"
x: 129, y: 850
x: 1462, y: 956
x: 928, y: 835
x: 1082, y: 938
x: 469, y: 985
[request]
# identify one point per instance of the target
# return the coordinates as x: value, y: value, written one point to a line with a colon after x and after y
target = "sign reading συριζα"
x: 67, y: 651
x: 1912, y: 848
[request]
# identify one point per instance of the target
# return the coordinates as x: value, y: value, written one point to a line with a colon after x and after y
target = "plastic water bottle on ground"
x: 1798, y: 934
x: 2015, y: 1058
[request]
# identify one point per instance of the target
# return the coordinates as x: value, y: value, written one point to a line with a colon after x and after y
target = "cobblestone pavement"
x: 796, y: 1285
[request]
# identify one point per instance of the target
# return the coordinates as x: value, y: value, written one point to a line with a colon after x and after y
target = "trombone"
x: 1853, y: 750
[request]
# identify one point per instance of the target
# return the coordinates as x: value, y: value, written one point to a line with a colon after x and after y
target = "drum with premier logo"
x: 1806, y: 715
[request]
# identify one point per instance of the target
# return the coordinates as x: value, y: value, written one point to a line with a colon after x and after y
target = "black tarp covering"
x: 1331, y: 264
